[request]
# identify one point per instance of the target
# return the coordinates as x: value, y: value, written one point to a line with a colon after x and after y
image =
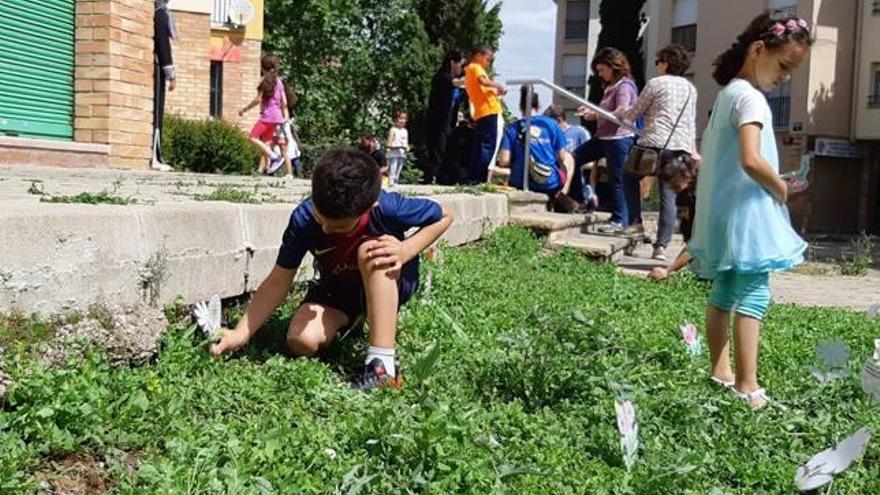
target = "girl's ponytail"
x: 269, y: 66
x: 775, y: 33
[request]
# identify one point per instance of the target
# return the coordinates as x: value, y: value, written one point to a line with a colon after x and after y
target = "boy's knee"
x: 302, y: 345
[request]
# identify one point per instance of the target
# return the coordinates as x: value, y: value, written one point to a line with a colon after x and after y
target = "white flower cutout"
x: 834, y: 356
x: 629, y: 431
x: 691, y: 337
x: 330, y: 453
x: 208, y: 316
x: 877, y: 351
x: 870, y: 379
x: 821, y: 469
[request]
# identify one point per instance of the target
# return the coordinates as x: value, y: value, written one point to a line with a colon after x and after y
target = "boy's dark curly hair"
x: 345, y: 183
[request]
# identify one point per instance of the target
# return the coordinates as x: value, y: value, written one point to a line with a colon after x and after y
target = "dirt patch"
x: 74, y: 473
x: 127, y: 335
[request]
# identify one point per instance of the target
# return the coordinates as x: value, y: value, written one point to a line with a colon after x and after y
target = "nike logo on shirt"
x: 324, y: 251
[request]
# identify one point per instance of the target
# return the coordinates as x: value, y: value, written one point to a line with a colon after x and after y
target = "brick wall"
x: 241, y: 74
x: 191, y: 50
x: 114, y: 78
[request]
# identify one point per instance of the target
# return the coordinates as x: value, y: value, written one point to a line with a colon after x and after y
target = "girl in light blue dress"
x: 742, y: 230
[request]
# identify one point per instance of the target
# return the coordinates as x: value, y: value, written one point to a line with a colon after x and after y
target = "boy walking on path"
x: 368, y: 268
x: 483, y: 93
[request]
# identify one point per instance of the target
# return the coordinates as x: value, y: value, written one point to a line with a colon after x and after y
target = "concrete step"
x: 521, y: 202
x: 603, y: 248
x: 552, y: 225
x: 558, y: 225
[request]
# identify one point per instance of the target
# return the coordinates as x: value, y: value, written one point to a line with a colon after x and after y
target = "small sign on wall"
x: 837, y: 148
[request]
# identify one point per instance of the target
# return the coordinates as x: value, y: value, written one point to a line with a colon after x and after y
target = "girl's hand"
x: 586, y: 113
x: 796, y: 186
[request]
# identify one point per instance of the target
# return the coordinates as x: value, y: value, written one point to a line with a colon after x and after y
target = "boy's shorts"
x: 745, y: 293
x: 351, y: 298
x: 264, y: 131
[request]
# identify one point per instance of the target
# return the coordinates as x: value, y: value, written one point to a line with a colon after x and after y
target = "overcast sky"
x: 527, y: 45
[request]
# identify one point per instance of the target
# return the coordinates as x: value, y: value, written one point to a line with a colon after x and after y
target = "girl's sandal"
x: 758, y: 399
x: 723, y: 383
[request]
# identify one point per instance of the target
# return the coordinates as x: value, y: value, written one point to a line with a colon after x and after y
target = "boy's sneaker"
x: 610, y: 228
x: 659, y: 253
x: 374, y: 376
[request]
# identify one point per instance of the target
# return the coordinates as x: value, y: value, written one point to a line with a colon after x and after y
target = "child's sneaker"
x: 374, y: 376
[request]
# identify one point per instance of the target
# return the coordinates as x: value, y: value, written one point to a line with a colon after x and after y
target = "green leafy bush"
x: 209, y: 146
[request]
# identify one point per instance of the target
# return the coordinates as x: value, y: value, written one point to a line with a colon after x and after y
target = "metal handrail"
x: 530, y: 83
x: 605, y: 114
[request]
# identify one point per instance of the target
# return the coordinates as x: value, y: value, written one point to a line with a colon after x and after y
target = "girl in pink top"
x: 273, y: 112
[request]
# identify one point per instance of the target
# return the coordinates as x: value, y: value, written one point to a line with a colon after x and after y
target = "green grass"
x: 229, y: 194
x: 102, y: 197
x: 531, y: 351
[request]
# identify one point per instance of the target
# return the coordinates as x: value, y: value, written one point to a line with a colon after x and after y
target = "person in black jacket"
x: 163, y: 73
x: 446, y: 96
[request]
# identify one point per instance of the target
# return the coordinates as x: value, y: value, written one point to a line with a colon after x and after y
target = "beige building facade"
x: 831, y: 107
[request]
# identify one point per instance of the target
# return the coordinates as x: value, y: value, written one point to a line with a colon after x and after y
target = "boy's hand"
x: 386, y: 252
x: 659, y: 273
x: 230, y: 340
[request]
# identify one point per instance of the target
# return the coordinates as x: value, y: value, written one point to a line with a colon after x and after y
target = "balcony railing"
x: 780, y: 107
x: 220, y: 13
x: 686, y: 36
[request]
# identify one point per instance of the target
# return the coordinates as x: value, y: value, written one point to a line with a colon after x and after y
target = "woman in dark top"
x: 443, y: 110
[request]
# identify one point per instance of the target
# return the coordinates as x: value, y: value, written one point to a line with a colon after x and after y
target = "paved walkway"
x: 859, y: 293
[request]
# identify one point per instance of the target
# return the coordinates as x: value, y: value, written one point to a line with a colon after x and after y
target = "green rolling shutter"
x: 36, y: 68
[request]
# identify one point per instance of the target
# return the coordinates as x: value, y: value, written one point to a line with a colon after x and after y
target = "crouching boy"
x: 368, y: 269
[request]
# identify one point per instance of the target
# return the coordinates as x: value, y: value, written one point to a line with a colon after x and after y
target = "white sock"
x: 386, y: 355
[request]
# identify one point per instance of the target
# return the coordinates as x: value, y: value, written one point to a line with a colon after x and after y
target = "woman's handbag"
x: 647, y: 160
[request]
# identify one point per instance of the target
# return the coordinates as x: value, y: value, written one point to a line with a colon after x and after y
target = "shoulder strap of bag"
x: 675, y: 126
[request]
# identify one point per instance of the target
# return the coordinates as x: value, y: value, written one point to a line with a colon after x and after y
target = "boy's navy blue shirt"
x: 336, y: 254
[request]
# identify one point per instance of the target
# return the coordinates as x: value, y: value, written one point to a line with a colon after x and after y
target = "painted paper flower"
x: 803, y: 24
x: 820, y: 470
x: 778, y: 29
x: 209, y: 316
x: 792, y: 25
x: 629, y: 431
x: 689, y: 333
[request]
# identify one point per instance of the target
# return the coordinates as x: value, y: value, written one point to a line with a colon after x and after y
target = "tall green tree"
x: 352, y: 62
x: 621, y: 21
x: 461, y: 24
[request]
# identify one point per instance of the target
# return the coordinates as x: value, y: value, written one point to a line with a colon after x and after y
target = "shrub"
x: 210, y: 146
x: 858, y: 264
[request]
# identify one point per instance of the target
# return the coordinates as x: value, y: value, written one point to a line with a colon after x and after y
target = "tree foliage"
x: 461, y: 24
x: 621, y: 20
x: 354, y: 62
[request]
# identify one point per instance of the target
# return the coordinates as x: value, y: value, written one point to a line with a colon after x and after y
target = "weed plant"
x: 512, y: 368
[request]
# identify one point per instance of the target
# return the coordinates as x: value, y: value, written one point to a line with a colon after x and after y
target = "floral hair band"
x: 792, y: 25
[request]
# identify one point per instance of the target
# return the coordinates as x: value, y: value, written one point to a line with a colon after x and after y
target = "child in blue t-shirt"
x: 742, y: 230
x: 368, y: 268
x: 550, y: 167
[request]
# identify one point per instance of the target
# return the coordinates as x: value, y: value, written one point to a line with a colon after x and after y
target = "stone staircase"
x: 577, y: 232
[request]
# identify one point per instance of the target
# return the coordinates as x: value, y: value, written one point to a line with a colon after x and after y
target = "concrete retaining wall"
x: 60, y: 257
